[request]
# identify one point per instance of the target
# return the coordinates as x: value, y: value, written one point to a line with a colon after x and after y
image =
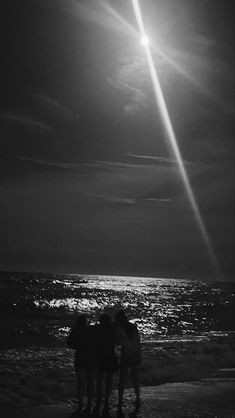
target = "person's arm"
x: 71, y: 340
x: 138, y: 345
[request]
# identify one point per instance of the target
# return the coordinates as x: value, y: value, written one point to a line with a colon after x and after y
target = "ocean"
x: 187, y: 329
x: 35, y: 304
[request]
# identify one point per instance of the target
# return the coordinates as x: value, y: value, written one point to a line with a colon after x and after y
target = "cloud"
x: 164, y: 161
x: 54, y: 105
x: 138, y: 101
x: 26, y: 121
x: 194, y: 66
x: 116, y: 182
x: 114, y: 199
x: 89, y: 10
x: 156, y: 182
x: 158, y: 200
x: 98, y: 12
x: 63, y: 167
x: 44, y: 163
x: 146, y: 168
x: 128, y: 200
x: 131, y: 77
x: 146, y: 163
x: 88, y: 167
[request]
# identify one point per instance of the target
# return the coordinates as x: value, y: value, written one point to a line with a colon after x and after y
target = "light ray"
x: 200, y: 86
x: 161, y: 105
x: 145, y: 41
x: 124, y: 23
x: 160, y: 52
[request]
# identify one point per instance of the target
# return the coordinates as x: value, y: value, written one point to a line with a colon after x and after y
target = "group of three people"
x: 101, y: 350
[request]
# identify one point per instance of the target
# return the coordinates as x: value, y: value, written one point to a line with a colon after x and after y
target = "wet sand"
x: 204, y: 399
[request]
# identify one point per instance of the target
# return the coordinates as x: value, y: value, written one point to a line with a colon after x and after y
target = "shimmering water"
x: 44, y: 305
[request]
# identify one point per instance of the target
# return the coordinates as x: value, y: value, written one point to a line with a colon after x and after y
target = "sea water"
x: 36, y: 307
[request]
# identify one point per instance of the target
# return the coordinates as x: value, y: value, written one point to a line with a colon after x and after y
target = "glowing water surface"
x: 162, y: 308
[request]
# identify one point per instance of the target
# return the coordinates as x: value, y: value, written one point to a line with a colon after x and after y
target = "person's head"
x: 81, y: 320
x: 121, y: 318
x: 105, y: 320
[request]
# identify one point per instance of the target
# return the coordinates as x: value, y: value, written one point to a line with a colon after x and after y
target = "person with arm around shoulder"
x: 106, y: 361
x: 81, y: 339
x: 127, y: 336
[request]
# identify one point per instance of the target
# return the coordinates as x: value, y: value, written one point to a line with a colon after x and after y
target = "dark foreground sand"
x: 208, y: 398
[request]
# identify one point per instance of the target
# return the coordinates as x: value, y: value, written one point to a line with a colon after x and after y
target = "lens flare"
x: 144, y: 40
x: 160, y: 51
x: 161, y: 105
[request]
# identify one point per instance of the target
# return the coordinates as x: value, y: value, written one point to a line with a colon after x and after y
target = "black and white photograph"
x: 117, y: 209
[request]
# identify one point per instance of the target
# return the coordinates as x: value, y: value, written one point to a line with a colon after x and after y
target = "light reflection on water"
x: 165, y: 307
x: 157, y: 306
x: 71, y: 304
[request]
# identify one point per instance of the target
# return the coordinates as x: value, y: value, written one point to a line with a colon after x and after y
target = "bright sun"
x: 144, y: 40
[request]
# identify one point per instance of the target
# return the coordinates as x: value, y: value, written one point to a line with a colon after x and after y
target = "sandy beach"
x: 44, y: 386
x: 205, y: 399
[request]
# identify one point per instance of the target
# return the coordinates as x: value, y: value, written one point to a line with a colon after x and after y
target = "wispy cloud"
x: 25, y: 120
x: 164, y: 161
x: 132, y: 79
x: 97, y: 12
x: 113, y: 199
x: 54, y: 105
x: 158, y: 200
x: 57, y: 165
x: 144, y: 162
x: 89, y: 10
x: 113, y: 182
x: 88, y: 167
x: 138, y: 101
x: 129, y: 200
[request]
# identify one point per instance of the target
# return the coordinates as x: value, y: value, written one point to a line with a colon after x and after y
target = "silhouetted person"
x: 127, y: 336
x: 106, y: 360
x: 82, y: 339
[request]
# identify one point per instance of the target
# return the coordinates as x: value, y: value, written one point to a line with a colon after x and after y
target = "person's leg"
x: 90, y: 387
x: 81, y: 377
x: 122, y: 381
x: 135, y: 382
x: 108, y: 387
x: 99, y: 384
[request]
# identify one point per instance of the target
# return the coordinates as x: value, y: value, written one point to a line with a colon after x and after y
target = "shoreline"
x: 43, y: 375
x: 201, y: 399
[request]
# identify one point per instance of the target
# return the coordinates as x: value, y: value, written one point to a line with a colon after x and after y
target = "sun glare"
x: 144, y: 40
x: 161, y: 105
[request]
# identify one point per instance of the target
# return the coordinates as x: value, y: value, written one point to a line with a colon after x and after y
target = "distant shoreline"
x: 158, y: 276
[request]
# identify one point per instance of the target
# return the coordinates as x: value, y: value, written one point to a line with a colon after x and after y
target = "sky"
x: 89, y: 182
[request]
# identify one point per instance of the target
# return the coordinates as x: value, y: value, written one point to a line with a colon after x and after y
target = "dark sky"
x: 88, y: 180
